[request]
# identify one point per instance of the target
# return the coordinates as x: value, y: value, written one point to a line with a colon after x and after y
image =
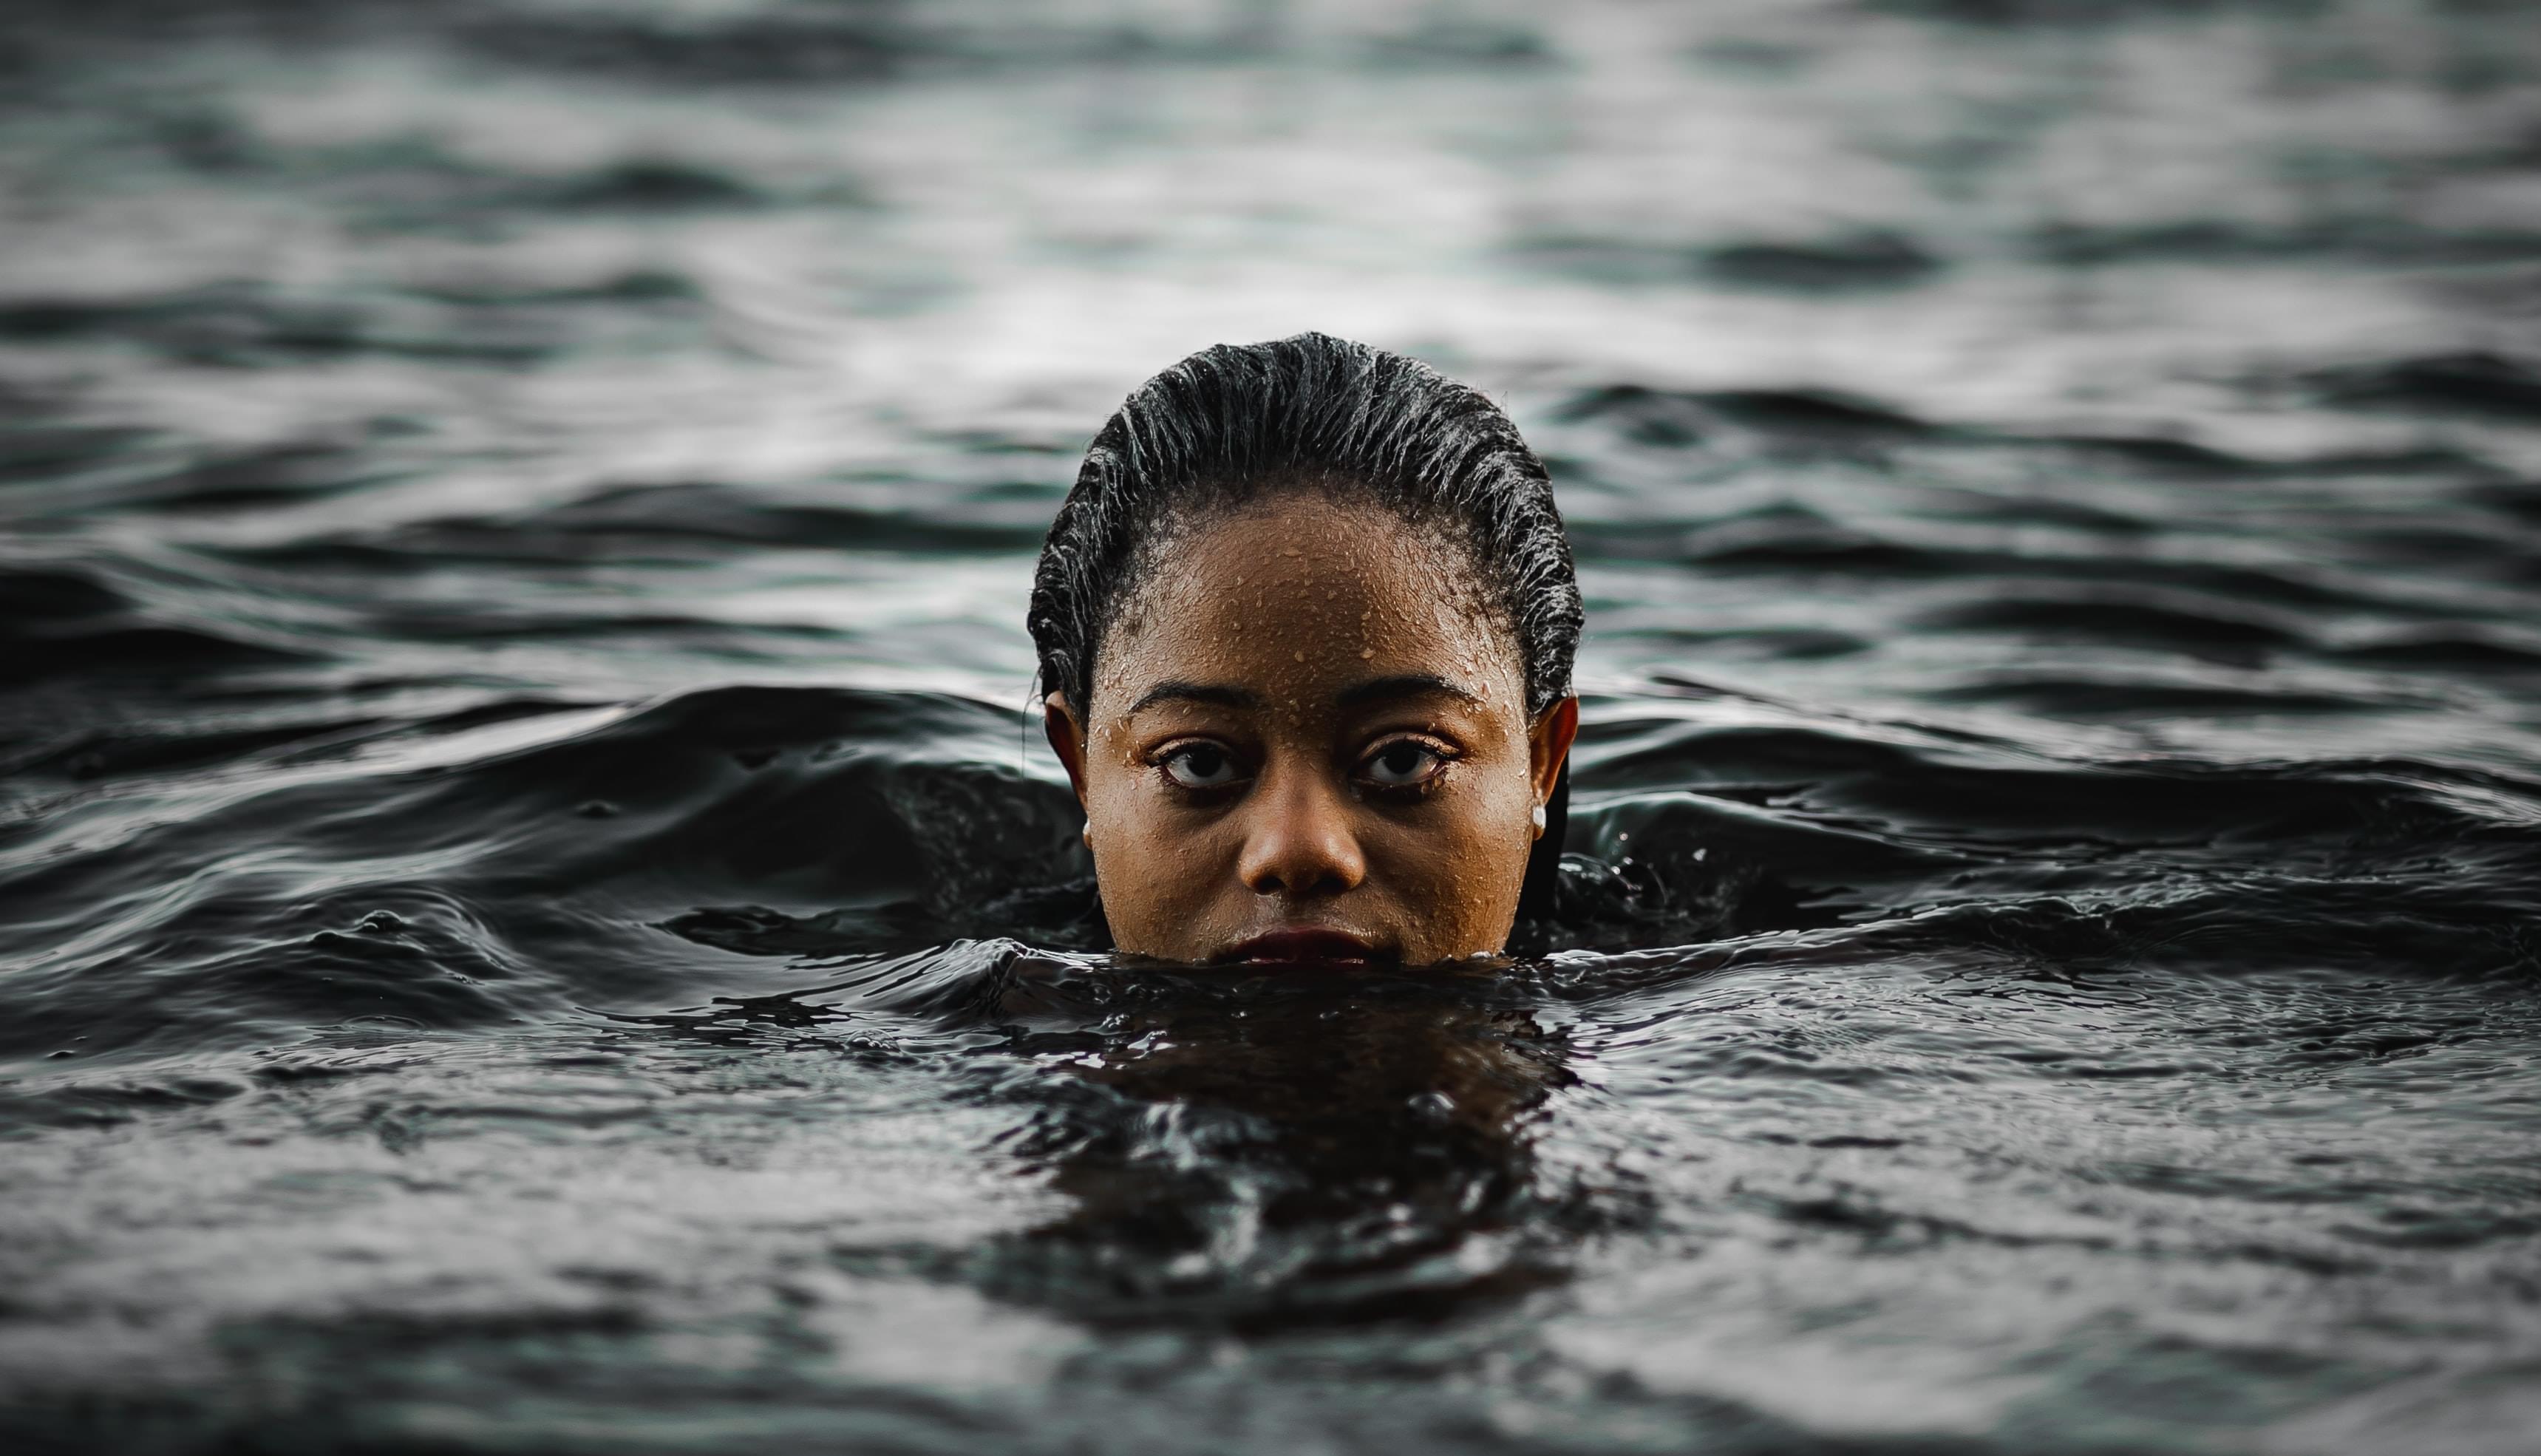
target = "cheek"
x: 1155, y: 866
x: 1494, y: 803
x: 1116, y: 785
x: 1463, y: 863
x: 1122, y: 818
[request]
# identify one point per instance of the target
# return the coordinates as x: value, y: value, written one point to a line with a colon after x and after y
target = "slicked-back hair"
x: 1236, y: 423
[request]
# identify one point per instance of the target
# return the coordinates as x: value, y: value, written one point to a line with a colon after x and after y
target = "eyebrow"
x: 1407, y: 685
x: 1374, y: 690
x: 1175, y: 690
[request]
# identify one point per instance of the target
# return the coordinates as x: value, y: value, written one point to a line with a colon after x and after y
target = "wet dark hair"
x: 1236, y: 423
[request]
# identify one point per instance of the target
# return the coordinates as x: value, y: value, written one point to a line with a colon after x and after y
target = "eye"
x: 1406, y: 763
x: 1199, y: 765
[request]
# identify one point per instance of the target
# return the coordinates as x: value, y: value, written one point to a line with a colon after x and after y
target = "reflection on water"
x: 1242, y: 1152
x: 1347, y: 1151
x: 531, y: 917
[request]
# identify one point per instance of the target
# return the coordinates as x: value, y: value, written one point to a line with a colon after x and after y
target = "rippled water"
x: 531, y: 917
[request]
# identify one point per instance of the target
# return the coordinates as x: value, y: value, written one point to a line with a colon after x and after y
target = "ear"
x: 1548, y: 741
x: 1067, y: 740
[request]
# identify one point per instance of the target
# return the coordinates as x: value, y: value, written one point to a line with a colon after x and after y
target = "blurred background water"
x: 532, y: 916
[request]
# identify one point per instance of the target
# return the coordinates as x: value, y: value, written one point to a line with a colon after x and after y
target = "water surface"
x: 532, y: 917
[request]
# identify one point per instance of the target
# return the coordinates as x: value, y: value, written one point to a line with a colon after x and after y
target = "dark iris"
x: 1200, y: 766
x: 1405, y: 764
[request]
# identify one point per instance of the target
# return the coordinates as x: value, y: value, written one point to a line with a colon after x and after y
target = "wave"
x: 2121, y: 619
x: 709, y: 516
x: 2475, y: 382
x: 791, y: 825
x: 246, y: 325
x: 2371, y: 240
x: 880, y: 811
x: 1879, y: 260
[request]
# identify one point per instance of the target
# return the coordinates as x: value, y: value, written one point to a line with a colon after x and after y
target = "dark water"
x: 527, y: 920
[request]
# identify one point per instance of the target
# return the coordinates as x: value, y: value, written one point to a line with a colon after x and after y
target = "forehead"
x: 1301, y: 593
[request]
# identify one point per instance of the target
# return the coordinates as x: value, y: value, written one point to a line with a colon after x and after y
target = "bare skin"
x: 1307, y: 741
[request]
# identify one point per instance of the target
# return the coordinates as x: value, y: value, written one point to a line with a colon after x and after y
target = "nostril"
x: 1287, y: 877
x: 1300, y: 844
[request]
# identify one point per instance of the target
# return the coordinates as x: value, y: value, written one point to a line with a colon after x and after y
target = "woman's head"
x: 1307, y: 623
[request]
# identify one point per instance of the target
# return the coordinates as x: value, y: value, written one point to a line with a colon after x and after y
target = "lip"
x: 1302, y: 948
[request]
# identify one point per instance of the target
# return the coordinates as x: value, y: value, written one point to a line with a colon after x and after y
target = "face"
x: 1307, y: 741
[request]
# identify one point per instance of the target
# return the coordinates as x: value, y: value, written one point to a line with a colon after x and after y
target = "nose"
x: 1297, y: 841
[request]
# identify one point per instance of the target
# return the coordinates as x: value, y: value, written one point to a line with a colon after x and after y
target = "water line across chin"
x: 1305, y: 947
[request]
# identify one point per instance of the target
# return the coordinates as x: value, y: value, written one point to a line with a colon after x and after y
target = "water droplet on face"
x: 1301, y: 657
x: 1364, y: 653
